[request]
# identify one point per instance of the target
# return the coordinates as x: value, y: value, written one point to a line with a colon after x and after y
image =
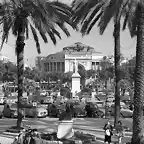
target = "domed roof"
x: 78, y: 47
x: 59, y: 56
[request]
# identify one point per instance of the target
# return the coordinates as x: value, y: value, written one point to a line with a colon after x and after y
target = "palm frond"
x: 27, y: 29
x: 7, y: 24
x: 61, y: 13
x: 56, y: 33
x: 90, y: 18
x: 109, y: 11
x: 125, y: 21
x: 41, y: 15
x: 52, y: 36
x: 80, y: 11
x: 131, y: 18
x: 61, y: 7
x: 35, y: 38
x: 64, y: 29
x: 43, y: 37
x: 94, y: 22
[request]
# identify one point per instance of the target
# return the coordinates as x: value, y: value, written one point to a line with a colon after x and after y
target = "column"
x: 56, y: 66
x: 52, y: 66
x: 61, y: 66
x: 49, y: 67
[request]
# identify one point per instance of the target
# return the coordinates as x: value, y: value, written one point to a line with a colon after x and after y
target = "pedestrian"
x: 108, y: 132
x: 119, y: 130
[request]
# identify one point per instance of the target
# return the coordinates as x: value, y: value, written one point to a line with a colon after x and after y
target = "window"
x: 48, y: 67
x: 54, y: 66
x: 51, y: 66
x: 63, y: 67
x: 45, y: 67
x: 58, y: 66
x: 97, y: 63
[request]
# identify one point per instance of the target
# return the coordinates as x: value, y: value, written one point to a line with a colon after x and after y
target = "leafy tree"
x: 66, y: 92
x: 91, y: 73
x: 42, y: 15
x: 82, y: 72
x: 107, y: 70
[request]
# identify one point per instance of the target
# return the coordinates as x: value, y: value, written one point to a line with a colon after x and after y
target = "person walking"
x: 108, y: 132
x: 119, y: 130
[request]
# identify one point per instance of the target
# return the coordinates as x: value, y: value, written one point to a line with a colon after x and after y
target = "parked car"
x: 2, y: 100
x: 11, y: 99
x: 124, y: 112
x: 93, y: 110
x: 47, y: 99
x: 79, y: 109
x: 36, y: 111
x: 10, y: 110
x: 110, y: 98
x: 55, y: 109
x: 43, y: 93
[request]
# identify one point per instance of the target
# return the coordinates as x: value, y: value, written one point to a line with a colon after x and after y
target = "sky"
x: 104, y: 43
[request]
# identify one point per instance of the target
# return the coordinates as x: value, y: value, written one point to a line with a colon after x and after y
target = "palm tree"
x: 134, y: 19
x: 39, y: 16
x: 87, y: 13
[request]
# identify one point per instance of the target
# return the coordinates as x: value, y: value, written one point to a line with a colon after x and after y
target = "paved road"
x: 51, y: 123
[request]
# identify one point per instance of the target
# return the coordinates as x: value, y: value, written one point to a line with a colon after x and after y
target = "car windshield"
x: 12, y: 97
x: 48, y: 97
x: 43, y: 91
x: 13, y: 106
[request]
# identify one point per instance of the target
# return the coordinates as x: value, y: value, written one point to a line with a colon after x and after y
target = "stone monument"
x: 76, y: 79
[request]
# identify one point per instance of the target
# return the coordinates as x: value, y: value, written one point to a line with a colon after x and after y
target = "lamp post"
x: 106, y: 107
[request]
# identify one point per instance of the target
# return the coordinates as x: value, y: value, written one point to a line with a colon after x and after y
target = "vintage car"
x: 10, y: 110
x: 2, y: 100
x: 124, y: 112
x: 47, y: 100
x: 93, y: 110
x: 43, y: 93
x: 36, y: 111
x: 55, y: 109
x: 79, y: 109
x: 11, y: 99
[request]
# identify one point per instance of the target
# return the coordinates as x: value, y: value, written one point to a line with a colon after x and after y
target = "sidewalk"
x: 97, y: 130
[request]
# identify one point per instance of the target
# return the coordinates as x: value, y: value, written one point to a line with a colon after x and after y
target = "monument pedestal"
x: 76, y: 82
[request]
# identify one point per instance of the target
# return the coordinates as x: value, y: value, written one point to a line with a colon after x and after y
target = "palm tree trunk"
x: 139, y: 82
x: 117, y: 70
x: 20, y: 65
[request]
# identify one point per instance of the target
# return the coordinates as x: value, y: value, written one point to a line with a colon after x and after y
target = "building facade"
x: 64, y: 61
x: 54, y: 62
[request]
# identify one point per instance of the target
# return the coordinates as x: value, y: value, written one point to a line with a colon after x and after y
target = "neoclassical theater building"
x: 64, y: 60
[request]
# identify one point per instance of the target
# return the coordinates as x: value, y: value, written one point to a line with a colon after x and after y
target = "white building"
x: 4, y: 58
x: 63, y: 61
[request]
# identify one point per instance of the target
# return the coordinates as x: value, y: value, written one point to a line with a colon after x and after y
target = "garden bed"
x: 51, y: 138
x: 14, y: 129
